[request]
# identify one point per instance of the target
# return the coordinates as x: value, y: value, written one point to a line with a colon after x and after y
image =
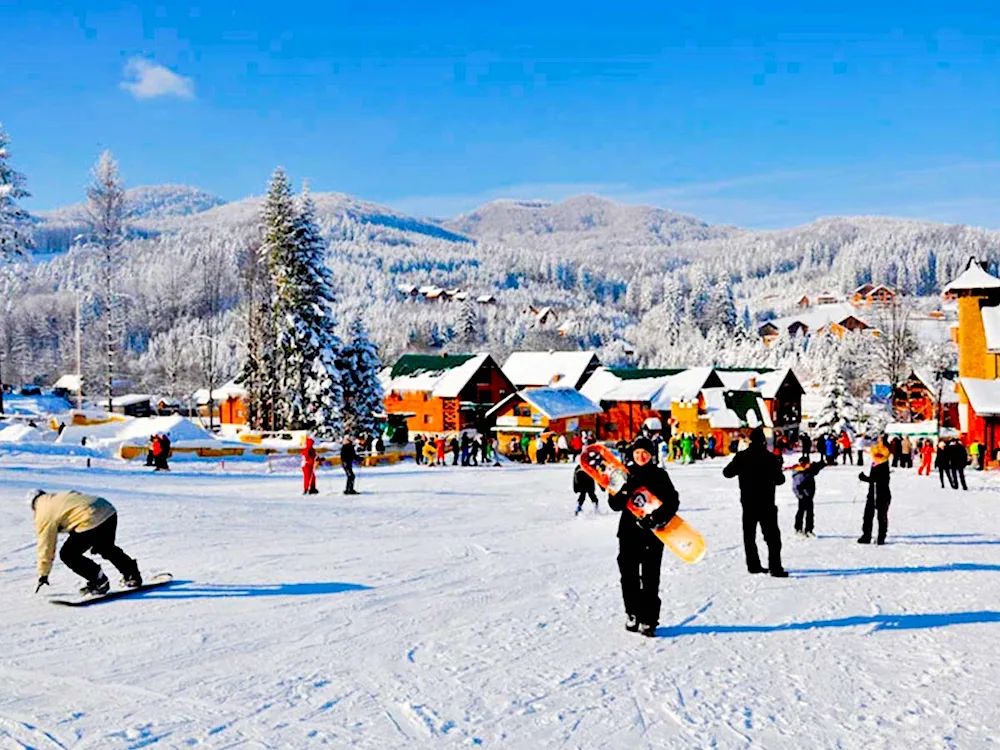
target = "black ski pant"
x: 99, y: 540
x: 875, y: 507
x: 583, y: 496
x: 767, y: 518
x: 942, y: 473
x: 349, y: 471
x: 848, y: 458
x: 804, y: 516
x: 639, y: 565
x: 958, y: 475
x: 861, y: 457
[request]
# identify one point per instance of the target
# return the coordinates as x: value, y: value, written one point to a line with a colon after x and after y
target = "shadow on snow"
x: 880, y: 622
x: 848, y: 572
x: 185, y: 590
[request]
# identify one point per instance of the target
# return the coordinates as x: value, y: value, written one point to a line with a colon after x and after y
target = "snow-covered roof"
x: 607, y: 384
x: 560, y: 403
x: 443, y: 376
x: 984, y: 395
x: 69, y: 382
x: 973, y: 278
x: 546, y: 368
x: 821, y: 316
x: 685, y: 386
x: 222, y: 393
x: 729, y: 409
x: 130, y: 399
x: 766, y: 381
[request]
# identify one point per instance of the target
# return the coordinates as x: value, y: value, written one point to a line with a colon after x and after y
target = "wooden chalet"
x: 626, y: 397
x: 439, y: 393
x: 915, y: 399
x: 563, y: 411
x: 872, y: 294
x: 779, y: 389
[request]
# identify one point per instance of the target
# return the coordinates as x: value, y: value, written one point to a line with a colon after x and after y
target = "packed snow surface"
x: 457, y: 607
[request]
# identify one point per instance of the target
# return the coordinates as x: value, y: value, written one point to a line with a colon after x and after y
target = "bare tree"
x: 107, y: 214
x: 895, y: 344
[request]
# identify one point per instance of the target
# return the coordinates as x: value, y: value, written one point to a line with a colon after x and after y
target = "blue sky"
x: 747, y: 113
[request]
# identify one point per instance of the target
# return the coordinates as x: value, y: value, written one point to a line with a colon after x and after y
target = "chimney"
x: 752, y: 383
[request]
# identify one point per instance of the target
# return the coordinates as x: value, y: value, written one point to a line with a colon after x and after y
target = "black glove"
x: 863, y: 477
x: 42, y: 581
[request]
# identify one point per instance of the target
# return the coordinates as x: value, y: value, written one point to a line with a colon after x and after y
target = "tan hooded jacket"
x: 69, y: 511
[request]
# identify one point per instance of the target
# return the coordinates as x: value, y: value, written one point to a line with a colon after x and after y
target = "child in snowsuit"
x: 804, y: 488
x: 639, y: 551
x: 91, y: 523
x: 926, y: 457
x: 583, y: 485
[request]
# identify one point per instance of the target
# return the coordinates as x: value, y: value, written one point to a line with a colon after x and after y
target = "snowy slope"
x: 474, y: 610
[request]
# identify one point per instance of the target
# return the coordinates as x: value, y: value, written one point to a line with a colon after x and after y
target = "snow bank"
x: 20, y: 433
x: 35, y: 406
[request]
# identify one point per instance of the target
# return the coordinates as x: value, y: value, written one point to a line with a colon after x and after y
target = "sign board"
x: 506, y: 421
x: 536, y: 419
x: 572, y: 425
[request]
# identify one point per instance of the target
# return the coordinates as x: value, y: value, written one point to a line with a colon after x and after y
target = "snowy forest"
x: 170, y: 298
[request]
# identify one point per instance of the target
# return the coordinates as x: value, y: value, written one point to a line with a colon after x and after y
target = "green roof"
x: 412, y: 364
x: 744, y: 402
x: 636, y: 373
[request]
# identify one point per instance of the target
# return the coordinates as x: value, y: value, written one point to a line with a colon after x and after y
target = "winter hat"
x: 643, y: 443
x: 757, y: 436
x: 33, y: 495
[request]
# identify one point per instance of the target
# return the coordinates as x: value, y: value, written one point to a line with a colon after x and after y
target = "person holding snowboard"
x: 583, y: 485
x: 91, y: 523
x: 759, y: 472
x: 309, y: 468
x: 640, y: 552
x: 348, y: 457
x: 879, y: 495
x: 804, y: 488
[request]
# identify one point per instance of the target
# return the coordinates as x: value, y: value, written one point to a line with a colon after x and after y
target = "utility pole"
x: 79, y: 357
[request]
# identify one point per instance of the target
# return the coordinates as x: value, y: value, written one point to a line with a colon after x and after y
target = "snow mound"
x: 20, y: 433
x: 136, y: 431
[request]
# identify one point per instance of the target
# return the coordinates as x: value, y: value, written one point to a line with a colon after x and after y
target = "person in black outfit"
x: 759, y: 472
x: 804, y: 487
x: 348, y: 457
x: 806, y: 442
x: 418, y: 449
x: 639, y: 551
x: 583, y: 485
x: 942, y: 462
x: 879, y: 498
x: 456, y: 450
x: 959, y: 459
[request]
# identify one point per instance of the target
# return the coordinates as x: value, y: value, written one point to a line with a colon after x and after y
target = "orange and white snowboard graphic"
x: 611, y: 474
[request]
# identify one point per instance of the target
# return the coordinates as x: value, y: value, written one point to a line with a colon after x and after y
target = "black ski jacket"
x: 582, y: 481
x: 759, y: 471
x: 657, y: 481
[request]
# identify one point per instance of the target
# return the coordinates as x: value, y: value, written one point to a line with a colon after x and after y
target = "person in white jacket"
x: 91, y: 523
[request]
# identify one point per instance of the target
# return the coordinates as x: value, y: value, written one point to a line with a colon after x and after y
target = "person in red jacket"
x: 309, y: 468
x: 926, y: 457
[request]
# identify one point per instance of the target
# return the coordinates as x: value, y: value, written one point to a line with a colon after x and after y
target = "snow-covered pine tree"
x: 840, y: 411
x: 107, y: 213
x: 363, y: 395
x: 468, y: 323
x: 257, y: 374
x: 15, y: 225
x: 306, y: 343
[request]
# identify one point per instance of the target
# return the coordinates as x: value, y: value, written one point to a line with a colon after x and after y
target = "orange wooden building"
x: 444, y: 392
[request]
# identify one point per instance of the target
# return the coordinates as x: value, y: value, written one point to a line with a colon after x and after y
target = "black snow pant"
x: 767, y: 518
x: 349, y: 471
x: 873, y: 508
x: 583, y: 496
x: 639, y: 565
x: 101, y: 541
x: 847, y: 458
x: 942, y: 473
x: 959, y: 476
x: 861, y: 457
x: 804, y: 516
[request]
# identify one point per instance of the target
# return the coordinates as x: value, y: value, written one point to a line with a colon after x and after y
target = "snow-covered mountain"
x: 587, y: 220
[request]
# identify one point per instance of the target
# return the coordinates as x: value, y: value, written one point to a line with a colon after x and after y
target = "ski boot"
x: 647, y: 630
x: 631, y: 624
x: 98, y: 587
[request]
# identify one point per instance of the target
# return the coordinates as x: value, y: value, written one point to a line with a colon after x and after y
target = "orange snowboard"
x: 611, y: 474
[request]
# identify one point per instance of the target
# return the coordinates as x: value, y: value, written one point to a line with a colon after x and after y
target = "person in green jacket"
x: 687, y: 446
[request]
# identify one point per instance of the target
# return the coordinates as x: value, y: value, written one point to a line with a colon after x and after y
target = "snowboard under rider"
x: 640, y: 552
x: 759, y: 472
x: 92, y: 523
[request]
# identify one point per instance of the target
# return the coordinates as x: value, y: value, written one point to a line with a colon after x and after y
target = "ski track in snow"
x: 481, y: 612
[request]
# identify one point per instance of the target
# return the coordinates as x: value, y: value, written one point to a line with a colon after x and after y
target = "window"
x: 522, y: 410
x: 427, y: 418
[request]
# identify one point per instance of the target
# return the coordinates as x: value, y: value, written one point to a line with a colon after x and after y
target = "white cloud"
x: 148, y: 80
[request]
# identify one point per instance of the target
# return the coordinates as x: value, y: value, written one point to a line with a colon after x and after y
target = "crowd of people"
x: 158, y: 452
x: 466, y: 449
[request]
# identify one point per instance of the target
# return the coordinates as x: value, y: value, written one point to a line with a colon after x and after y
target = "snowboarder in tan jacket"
x: 91, y: 523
